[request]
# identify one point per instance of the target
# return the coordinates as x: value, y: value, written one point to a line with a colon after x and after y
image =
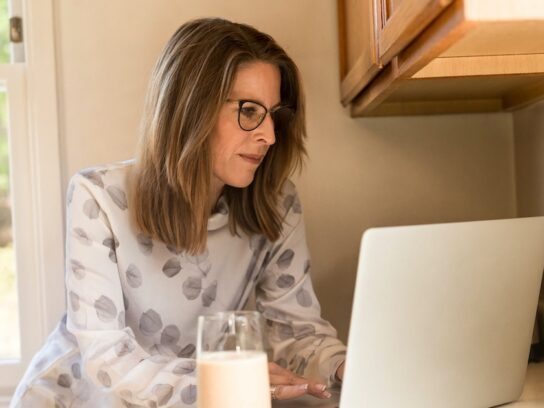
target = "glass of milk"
x: 232, y: 368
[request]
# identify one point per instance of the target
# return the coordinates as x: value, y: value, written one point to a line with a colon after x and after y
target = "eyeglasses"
x: 251, y: 114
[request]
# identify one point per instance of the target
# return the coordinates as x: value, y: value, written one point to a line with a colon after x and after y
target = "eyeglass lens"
x: 251, y: 115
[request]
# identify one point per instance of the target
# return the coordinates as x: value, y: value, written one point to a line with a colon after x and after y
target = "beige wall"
x: 360, y: 173
x: 529, y: 159
x: 529, y: 148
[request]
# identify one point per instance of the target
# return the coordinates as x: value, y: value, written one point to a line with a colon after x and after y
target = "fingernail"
x: 327, y: 394
x: 321, y: 387
x: 303, y: 387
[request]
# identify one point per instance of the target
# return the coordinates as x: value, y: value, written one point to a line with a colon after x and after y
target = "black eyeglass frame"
x: 266, y: 112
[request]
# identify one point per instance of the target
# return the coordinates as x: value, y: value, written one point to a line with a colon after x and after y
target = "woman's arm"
x: 300, y: 339
x: 111, y: 356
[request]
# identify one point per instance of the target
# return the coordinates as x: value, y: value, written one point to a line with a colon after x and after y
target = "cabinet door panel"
x: 401, y: 22
x: 358, y: 45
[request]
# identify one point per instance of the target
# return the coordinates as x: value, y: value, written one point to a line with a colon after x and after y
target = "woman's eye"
x: 248, y: 112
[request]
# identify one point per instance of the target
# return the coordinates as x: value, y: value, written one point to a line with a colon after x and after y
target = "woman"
x: 202, y: 217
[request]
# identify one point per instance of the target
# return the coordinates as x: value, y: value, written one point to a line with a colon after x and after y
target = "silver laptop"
x: 443, y: 314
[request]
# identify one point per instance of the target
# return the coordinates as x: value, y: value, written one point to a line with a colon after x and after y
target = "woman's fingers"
x: 286, y: 380
x: 318, y: 390
x: 284, y: 392
x: 282, y: 377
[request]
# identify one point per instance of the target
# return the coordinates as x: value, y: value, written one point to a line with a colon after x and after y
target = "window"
x: 31, y: 240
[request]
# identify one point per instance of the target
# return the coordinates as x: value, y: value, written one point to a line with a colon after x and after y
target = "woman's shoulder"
x: 107, y: 180
x: 289, y: 199
x: 105, y: 174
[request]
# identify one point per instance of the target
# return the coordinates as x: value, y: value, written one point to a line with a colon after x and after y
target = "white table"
x: 532, y: 396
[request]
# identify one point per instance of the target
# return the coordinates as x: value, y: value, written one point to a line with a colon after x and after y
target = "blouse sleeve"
x: 111, y: 356
x: 299, y: 338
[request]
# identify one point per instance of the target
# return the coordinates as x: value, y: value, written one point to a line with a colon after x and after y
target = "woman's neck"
x: 216, y: 190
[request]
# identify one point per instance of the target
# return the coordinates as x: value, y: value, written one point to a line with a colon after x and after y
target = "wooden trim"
x: 524, y: 96
x: 341, y: 10
x: 379, y: 89
x: 407, y: 21
x: 356, y: 79
x: 448, y: 28
x: 436, y: 107
x: 452, y: 67
x: 366, y: 66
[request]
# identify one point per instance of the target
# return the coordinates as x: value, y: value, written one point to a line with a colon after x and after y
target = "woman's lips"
x: 251, y: 158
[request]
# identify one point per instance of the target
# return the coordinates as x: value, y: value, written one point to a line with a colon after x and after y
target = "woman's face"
x: 236, y: 153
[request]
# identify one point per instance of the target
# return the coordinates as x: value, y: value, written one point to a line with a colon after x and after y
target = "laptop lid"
x: 443, y: 314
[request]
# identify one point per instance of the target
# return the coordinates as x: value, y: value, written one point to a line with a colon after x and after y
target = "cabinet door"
x: 357, y: 21
x: 400, y: 21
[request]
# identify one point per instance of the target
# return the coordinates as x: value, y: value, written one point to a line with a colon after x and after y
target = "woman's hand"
x: 289, y: 385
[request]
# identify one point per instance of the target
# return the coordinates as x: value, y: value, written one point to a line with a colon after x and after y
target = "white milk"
x: 231, y: 379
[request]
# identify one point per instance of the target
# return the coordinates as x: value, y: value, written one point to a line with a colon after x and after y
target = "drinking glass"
x: 232, y: 368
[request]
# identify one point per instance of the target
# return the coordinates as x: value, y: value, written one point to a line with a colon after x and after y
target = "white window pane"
x: 9, y: 318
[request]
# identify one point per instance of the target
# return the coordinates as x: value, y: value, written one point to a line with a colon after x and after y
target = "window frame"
x: 35, y: 161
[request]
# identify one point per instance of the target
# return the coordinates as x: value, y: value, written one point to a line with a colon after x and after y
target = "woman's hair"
x: 170, y: 184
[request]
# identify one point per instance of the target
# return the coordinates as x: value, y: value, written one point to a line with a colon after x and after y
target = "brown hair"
x: 170, y: 183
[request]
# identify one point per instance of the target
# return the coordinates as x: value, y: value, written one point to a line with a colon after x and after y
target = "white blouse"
x: 128, y: 338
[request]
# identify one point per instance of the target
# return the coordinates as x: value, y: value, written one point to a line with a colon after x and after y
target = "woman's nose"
x: 266, y: 132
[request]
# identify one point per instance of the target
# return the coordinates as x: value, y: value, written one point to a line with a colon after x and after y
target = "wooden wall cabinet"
x: 404, y: 57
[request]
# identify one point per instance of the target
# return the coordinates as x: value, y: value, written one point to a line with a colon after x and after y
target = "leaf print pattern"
x: 134, y: 276
x: 187, y: 351
x: 105, y: 309
x: 163, y: 392
x: 172, y: 267
x: 285, y: 259
x: 82, y: 236
x: 288, y: 202
x: 304, y: 298
x: 64, y: 381
x: 77, y: 269
x: 118, y: 197
x: 188, y: 394
x: 170, y: 335
x: 74, y: 301
x: 173, y: 249
x: 292, y: 202
x: 285, y: 281
x: 104, y: 378
x: 112, y: 244
x: 201, y: 261
x: 192, y: 287
x: 91, y: 208
x: 307, y: 266
x: 76, y: 371
x: 209, y: 294
x: 150, y: 322
x: 145, y: 243
x: 184, y: 367
x: 278, y: 269
x: 257, y: 243
x: 94, y: 177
